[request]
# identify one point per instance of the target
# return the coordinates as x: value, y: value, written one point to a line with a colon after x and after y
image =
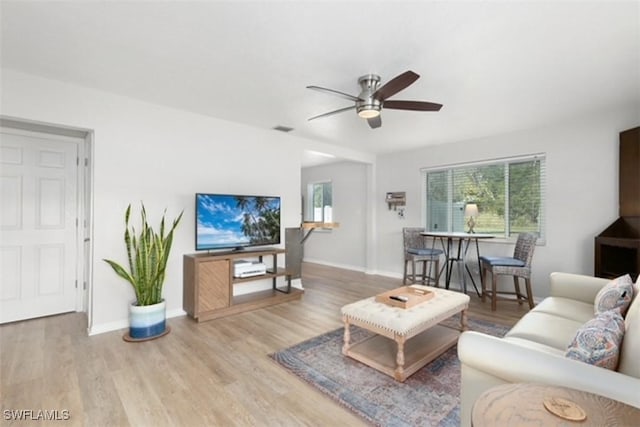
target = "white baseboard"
x: 333, y: 264
x: 176, y: 312
x: 108, y: 327
x: 395, y: 275
x: 390, y: 274
x: 124, y: 323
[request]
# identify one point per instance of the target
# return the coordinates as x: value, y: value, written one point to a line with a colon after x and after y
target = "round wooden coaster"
x: 564, y: 409
x: 128, y: 337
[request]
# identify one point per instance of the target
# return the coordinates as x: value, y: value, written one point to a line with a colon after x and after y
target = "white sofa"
x: 533, y: 350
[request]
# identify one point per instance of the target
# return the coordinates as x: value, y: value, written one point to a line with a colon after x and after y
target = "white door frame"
x: 84, y: 205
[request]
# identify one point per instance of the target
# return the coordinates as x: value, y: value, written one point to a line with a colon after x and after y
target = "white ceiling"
x: 497, y: 66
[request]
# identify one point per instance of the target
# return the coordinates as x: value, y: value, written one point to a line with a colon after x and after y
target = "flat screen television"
x: 236, y: 221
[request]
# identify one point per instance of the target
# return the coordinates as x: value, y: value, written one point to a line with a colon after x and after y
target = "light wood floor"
x: 212, y: 373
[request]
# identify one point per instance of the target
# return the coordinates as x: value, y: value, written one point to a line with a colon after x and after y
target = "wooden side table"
x: 524, y: 405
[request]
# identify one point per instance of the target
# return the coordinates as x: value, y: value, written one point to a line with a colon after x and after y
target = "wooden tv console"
x: 208, y: 284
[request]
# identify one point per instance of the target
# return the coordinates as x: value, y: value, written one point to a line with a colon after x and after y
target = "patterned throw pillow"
x: 618, y: 293
x: 597, y: 342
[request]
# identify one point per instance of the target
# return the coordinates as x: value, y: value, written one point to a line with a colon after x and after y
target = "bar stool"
x: 416, y: 251
x: 518, y: 266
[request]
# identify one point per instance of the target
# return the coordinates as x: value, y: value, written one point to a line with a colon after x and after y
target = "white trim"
x: 83, y: 138
x: 333, y: 264
x: 390, y: 274
x: 496, y: 161
x: 124, y: 324
x: 423, y: 198
x: 41, y: 135
x: 371, y: 230
x: 43, y: 127
x: 89, y: 149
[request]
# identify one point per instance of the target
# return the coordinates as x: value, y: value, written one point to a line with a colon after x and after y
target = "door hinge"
x: 76, y: 284
x: 77, y: 161
x: 86, y: 161
x: 77, y: 222
x: 84, y: 286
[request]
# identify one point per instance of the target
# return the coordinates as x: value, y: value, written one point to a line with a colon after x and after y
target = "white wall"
x: 582, y: 189
x: 344, y: 246
x: 162, y: 156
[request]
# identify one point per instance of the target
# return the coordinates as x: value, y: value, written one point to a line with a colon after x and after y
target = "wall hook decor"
x: 395, y: 199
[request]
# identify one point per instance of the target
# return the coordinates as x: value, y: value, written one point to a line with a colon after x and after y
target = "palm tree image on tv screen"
x: 235, y: 221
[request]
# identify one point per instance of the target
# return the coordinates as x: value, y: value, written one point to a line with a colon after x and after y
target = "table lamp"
x: 471, y: 211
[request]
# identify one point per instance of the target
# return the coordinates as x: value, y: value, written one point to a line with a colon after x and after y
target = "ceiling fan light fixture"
x: 373, y: 98
x: 368, y: 112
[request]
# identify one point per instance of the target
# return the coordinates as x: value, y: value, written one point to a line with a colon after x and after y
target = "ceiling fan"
x: 372, y: 99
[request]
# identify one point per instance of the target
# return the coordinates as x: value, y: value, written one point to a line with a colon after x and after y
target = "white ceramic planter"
x: 147, y: 321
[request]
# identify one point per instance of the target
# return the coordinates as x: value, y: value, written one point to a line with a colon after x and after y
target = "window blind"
x: 509, y: 193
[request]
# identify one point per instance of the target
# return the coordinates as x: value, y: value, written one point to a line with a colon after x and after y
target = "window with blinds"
x: 509, y: 194
x: 320, y: 202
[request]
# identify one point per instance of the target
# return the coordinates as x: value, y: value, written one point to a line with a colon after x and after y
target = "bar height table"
x: 459, y: 257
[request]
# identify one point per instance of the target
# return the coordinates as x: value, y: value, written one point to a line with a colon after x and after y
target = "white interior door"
x: 38, y: 225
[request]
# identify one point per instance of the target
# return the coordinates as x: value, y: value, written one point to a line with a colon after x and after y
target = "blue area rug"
x: 430, y: 397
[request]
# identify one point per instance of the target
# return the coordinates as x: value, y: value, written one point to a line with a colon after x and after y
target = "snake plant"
x: 147, y: 253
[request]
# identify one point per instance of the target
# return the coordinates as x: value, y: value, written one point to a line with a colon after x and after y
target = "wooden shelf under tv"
x: 208, y: 284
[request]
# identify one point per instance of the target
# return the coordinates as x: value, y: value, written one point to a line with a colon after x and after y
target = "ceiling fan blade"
x: 412, y: 105
x: 331, y: 113
x: 335, y: 92
x: 395, y: 85
x: 375, y: 122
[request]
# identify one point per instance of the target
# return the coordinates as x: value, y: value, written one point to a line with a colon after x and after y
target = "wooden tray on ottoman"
x: 415, y: 295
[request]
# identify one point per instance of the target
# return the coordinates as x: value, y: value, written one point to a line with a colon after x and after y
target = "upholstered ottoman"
x: 405, y: 339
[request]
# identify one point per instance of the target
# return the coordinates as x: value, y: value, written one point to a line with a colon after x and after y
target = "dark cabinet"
x: 617, y: 248
x: 629, y: 191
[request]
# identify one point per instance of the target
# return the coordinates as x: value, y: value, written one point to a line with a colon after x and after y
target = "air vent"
x: 284, y: 129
